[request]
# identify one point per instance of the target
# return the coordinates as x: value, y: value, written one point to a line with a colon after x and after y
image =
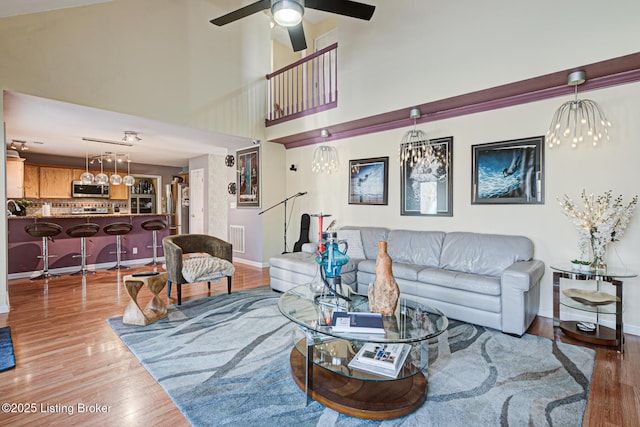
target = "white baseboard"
x: 4, y: 308
x: 628, y: 329
x: 90, y: 267
x: 251, y: 263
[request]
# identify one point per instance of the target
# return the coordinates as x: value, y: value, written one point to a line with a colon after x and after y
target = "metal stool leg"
x: 83, y: 259
x: 118, y: 265
x: 155, y: 249
x: 45, y: 262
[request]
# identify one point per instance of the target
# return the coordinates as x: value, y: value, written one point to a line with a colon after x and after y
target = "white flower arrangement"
x: 602, y: 221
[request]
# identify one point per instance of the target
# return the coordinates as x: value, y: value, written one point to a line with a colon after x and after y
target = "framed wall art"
x: 427, y: 183
x: 248, y: 179
x: 508, y: 172
x: 368, y: 181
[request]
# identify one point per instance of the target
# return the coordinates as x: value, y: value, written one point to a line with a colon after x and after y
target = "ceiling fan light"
x: 287, y: 13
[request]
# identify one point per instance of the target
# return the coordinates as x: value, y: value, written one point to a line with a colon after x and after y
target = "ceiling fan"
x: 288, y: 13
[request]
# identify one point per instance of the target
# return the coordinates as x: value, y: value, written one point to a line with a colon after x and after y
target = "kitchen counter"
x: 108, y: 215
x: 24, y: 249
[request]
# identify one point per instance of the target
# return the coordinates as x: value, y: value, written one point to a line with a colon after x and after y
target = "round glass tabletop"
x: 412, y: 322
x: 610, y: 272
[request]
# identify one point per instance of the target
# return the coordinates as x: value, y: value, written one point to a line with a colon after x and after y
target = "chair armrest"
x: 217, y: 248
x: 173, y: 261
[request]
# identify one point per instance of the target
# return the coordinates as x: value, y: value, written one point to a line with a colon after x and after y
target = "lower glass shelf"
x: 335, y: 355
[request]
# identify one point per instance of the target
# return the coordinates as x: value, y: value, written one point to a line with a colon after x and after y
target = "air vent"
x: 236, y: 236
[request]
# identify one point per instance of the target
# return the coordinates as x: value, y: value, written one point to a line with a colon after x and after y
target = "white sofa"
x: 486, y: 279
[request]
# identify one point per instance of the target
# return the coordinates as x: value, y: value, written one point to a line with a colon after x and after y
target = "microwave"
x: 79, y: 189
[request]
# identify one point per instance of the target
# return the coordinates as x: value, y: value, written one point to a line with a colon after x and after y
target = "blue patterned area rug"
x: 7, y: 358
x: 224, y: 361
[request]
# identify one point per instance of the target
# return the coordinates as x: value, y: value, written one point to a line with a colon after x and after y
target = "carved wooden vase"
x: 384, y: 291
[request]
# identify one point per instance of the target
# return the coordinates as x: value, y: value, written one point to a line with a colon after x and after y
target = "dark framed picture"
x: 427, y: 182
x: 248, y: 180
x: 508, y: 172
x: 369, y: 181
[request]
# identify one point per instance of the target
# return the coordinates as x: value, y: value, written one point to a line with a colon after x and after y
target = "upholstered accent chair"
x: 194, y: 258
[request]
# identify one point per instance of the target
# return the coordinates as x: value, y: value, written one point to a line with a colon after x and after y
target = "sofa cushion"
x: 354, y: 243
x: 480, y: 284
x: 370, y: 237
x: 487, y: 254
x: 415, y: 247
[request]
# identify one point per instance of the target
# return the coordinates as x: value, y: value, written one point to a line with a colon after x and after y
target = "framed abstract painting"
x: 248, y: 177
x: 368, y: 181
x: 427, y: 181
x: 508, y: 172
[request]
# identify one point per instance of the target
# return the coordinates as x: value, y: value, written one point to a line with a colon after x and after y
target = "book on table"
x: 381, y: 358
x: 363, y: 323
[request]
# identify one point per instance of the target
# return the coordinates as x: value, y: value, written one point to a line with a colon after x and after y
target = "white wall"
x: 159, y: 59
x: 413, y: 52
x: 612, y: 166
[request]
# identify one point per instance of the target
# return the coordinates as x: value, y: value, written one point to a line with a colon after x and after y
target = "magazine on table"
x: 362, y: 323
x: 381, y: 359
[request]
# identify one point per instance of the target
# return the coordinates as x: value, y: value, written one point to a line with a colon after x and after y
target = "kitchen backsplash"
x: 63, y: 206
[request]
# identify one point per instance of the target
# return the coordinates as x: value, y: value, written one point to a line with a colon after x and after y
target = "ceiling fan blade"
x: 343, y: 7
x: 296, y: 34
x: 242, y: 12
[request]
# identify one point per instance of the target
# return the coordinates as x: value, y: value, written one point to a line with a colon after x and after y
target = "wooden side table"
x: 155, y: 310
x: 597, y: 306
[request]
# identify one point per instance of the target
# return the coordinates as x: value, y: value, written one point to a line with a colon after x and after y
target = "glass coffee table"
x: 320, y: 357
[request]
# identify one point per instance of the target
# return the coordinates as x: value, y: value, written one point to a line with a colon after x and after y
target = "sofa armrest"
x: 520, y: 295
x: 521, y: 275
x: 310, y: 248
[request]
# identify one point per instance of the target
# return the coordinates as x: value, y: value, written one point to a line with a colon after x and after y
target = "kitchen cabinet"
x: 15, y: 177
x: 118, y: 192
x: 31, y: 182
x: 55, y: 183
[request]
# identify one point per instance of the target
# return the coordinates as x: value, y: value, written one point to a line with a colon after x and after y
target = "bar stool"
x: 154, y: 225
x: 45, y: 230
x: 83, y: 231
x: 118, y: 229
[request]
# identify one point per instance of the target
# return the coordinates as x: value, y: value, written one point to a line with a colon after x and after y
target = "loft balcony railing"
x: 305, y: 87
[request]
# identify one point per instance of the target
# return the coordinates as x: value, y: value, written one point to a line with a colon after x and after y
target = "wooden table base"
x: 601, y: 336
x: 373, y: 400
x: 155, y: 310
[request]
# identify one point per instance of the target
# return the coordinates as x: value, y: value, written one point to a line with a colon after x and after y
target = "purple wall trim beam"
x: 608, y: 73
x: 303, y: 113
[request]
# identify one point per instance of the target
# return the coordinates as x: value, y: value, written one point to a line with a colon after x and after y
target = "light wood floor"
x: 68, y: 355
